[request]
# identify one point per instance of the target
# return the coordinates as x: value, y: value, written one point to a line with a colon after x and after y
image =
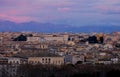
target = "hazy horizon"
x: 73, y: 12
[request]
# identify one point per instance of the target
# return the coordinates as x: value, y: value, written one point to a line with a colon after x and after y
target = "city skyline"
x: 59, y: 38
x: 75, y: 13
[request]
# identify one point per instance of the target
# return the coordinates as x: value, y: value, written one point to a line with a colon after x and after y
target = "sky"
x: 72, y: 12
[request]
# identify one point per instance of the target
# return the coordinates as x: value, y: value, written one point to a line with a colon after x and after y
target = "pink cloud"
x: 102, y: 7
x: 17, y: 19
x: 108, y: 9
x: 12, y: 12
x: 65, y: 9
x: 22, y: 10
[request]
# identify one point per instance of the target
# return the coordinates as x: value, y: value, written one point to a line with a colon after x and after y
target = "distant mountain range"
x: 49, y: 27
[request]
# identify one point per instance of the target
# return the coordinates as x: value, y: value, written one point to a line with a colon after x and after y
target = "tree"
x: 92, y: 39
x: 101, y: 40
x: 20, y: 38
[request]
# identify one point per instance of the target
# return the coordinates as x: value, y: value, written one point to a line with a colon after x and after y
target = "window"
x: 49, y: 60
x: 10, y: 62
x: 14, y: 70
x: 17, y: 62
x: 59, y: 61
x: 38, y: 62
x: 42, y: 60
x: 46, y: 60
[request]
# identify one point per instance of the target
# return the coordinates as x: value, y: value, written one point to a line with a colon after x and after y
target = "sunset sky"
x: 73, y: 12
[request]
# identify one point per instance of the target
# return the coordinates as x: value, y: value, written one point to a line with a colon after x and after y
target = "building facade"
x: 46, y: 60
